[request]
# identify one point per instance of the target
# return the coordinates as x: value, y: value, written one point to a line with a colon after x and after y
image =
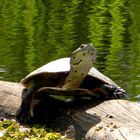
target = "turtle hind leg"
x: 24, y: 113
x: 110, y: 92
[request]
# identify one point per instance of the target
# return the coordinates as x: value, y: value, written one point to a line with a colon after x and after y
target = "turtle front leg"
x: 25, y: 112
x: 66, y: 92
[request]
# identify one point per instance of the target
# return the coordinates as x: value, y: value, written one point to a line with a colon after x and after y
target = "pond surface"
x: 34, y: 32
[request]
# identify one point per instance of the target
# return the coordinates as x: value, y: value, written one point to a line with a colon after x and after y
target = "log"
x: 96, y: 120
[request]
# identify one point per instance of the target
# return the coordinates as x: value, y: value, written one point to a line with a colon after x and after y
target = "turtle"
x: 70, y: 76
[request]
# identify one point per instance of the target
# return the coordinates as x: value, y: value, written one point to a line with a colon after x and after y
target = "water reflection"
x: 33, y: 33
x: 118, y: 56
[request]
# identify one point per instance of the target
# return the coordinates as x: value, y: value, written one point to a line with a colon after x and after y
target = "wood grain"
x: 97, y: 120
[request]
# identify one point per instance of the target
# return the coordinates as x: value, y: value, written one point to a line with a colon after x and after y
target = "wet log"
x: 96, y: 120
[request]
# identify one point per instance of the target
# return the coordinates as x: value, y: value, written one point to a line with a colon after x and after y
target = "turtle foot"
x: 106, y: 91
x: 119, y: 94
x: 114, y: 92
x: 23, y: 116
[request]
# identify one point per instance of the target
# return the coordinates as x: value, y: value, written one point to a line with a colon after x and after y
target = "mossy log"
x: 98, y: 120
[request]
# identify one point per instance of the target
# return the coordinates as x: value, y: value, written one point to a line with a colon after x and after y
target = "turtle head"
x: 85, y: 54
x: 81, y: 62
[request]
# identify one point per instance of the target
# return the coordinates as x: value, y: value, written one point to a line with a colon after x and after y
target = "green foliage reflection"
x: 34, y: 32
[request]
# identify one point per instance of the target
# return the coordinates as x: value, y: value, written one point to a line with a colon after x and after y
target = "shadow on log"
x: 109, y: 120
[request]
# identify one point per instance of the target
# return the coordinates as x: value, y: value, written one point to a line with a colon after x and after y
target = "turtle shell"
x: 51, y: 74
x: 54, y: 74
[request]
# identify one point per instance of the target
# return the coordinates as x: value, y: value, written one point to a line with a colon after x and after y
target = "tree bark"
x: 96, y: 120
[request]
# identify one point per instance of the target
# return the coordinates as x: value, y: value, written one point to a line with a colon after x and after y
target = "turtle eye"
x: 82, y: 46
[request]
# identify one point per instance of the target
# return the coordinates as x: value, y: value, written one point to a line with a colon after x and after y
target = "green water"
x: 34, y: 32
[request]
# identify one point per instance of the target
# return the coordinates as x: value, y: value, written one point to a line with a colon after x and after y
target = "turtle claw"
x: 23, y: 116
x: 119, y: 94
